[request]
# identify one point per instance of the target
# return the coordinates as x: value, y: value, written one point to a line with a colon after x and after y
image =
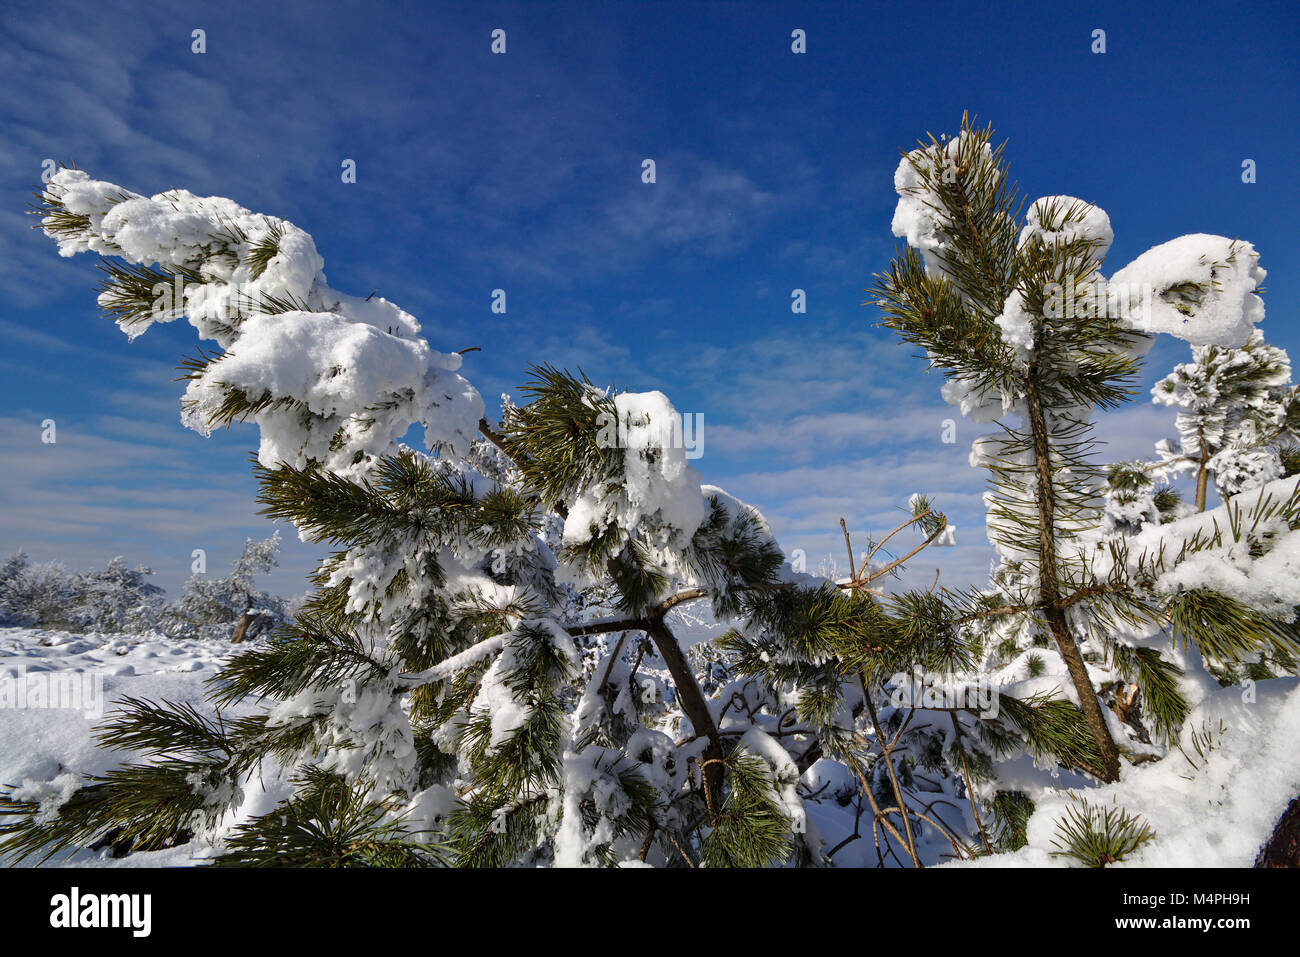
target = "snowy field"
x: 46, y: 749
x: 56, y: 687
x: 1200, y: 818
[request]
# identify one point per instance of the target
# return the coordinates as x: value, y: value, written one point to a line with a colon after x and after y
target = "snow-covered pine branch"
x: 327, y: 377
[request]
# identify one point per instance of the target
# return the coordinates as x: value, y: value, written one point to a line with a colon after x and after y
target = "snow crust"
x: 1199, y: 287
x: 1062, y: 220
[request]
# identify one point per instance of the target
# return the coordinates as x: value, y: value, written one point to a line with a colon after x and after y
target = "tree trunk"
x: 1202, y: 476
x: 246, y: 619
x: 241, y: 627
x: 688, y: 690
x: 1050, y: 590
x: 1283, y: 847
x: 693, y: 703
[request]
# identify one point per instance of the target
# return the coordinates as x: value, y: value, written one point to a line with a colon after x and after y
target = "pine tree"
x: 232, y: 606
x: 487, y: 672
x: 436, y: 670
x: 1238, y: 416
x: 1026, y: 328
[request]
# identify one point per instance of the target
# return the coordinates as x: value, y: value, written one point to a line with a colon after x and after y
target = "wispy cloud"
x: 110, y: 486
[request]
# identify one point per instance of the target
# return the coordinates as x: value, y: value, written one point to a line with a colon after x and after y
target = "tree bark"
x: 693, y: 702
x: 246, y: 619
x: 1049, y: 584
x: 1202, y: 476
x: 241, y: 628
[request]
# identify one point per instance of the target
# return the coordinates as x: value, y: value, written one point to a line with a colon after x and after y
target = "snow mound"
x: 1197, y: 800
x: 1060, y: 220
x: 1199, y: 288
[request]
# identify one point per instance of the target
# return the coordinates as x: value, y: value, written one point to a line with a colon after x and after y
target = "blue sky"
x: 522, y: 172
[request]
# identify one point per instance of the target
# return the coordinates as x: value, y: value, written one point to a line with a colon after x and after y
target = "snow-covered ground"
x: 1212, y: 806
x: 1211, y: 810
x: 56, y: 687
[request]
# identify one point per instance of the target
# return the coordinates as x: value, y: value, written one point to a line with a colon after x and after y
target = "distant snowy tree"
x: 1238, y: 416
x: 13, y: 601
x: 32, y: 594
x: 117, y: 598
x: 231, y: 607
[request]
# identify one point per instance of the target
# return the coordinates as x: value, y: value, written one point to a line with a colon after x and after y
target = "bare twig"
x: 881, y: 544
x: 943, y: 523
x: 887, y: 752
